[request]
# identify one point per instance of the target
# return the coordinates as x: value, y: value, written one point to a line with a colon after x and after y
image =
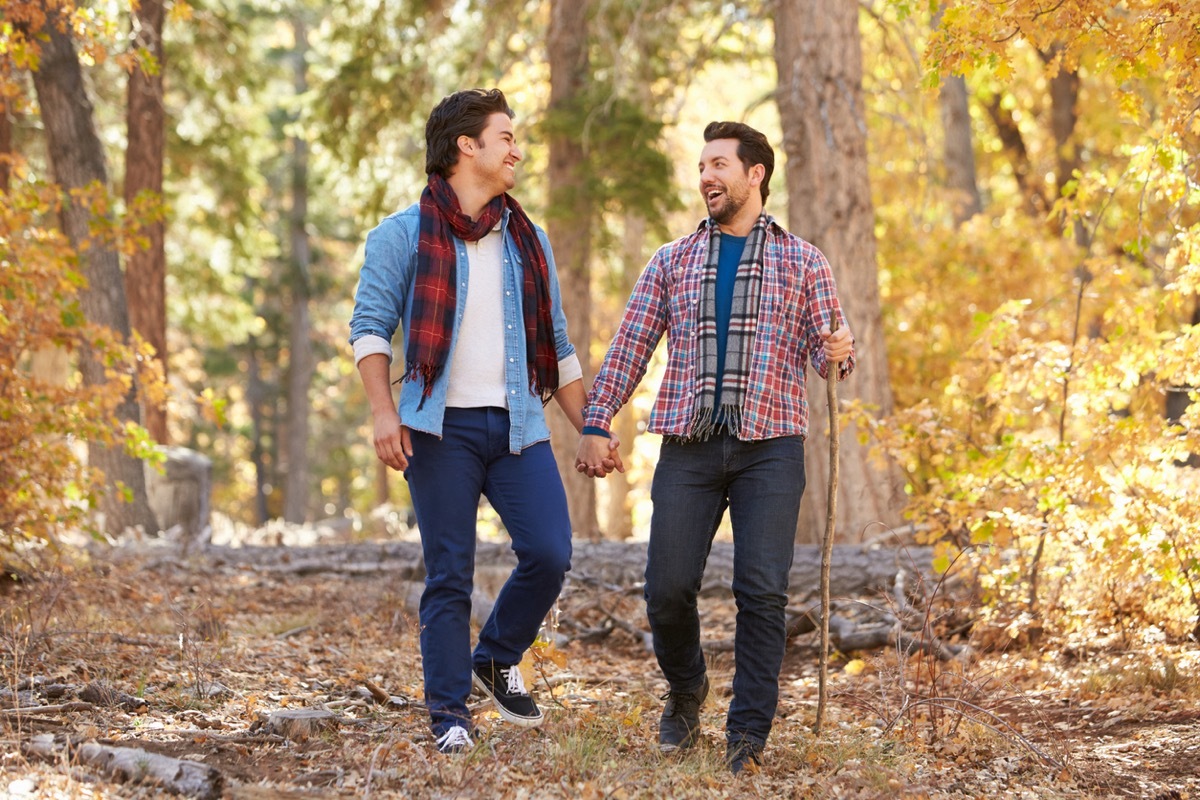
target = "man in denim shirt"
x: 745, y: 306
x: 472, y: 282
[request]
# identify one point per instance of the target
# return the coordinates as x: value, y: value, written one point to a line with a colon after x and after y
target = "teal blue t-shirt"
x: 727, y: 265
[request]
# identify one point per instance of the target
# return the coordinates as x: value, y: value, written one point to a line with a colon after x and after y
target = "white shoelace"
x: 455, y: 737
x: 516, y: 684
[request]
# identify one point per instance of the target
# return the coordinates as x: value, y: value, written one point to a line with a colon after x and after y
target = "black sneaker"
x: 743, y: 755
x: 455, y: 740
x: 506, y: 689
x: 680, y: 723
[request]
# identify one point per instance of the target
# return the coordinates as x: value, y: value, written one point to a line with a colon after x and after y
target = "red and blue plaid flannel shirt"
x: 798, y: 297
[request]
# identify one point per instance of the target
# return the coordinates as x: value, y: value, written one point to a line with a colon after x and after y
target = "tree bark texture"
x: 146, y: 269
x: 569, y: 225
x: 300, y: 360
x: 958, y: 150
x: 1064, y: 114
x: 77, y: 158
x: 819, y: 61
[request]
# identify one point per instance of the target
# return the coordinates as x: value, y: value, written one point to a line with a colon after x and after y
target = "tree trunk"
x: 569, y: 224
x: 819, y: 61
x: 77, y: 158
x: 255, y: 398
x: 958, y: 150
x: 1064, y: 114
x: 1013, y: 143
x: 6, y: 148
x: 619, y: 522
x: 300, y: 362
x: 146, y: 269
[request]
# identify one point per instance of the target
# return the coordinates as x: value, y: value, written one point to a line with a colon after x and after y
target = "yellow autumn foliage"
x: 45, y: 488
x: 1032, y: 353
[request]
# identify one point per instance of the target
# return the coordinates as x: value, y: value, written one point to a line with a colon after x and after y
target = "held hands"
x: 597, y: 456
x: 837, y: 344
x: 393, y: 444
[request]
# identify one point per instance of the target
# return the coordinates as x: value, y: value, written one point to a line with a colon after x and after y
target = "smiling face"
x: 729, y: 189
x: 495, y: 154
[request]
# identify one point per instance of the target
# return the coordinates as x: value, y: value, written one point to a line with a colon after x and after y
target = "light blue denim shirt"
x: 384, y: 298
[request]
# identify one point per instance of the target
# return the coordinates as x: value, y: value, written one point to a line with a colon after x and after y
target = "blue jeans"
x: 761, y: 484
x: 446, y: 478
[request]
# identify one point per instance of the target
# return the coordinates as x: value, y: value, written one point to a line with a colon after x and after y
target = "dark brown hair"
x: 463, y: 113
x: 753, y: 148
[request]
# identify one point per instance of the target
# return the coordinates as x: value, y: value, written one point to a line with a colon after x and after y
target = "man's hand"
x: 598, y: 456
x: 838, y: 344
x: 393, y: 444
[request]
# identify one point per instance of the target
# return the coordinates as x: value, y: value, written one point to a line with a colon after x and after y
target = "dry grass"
x: 166, y: 633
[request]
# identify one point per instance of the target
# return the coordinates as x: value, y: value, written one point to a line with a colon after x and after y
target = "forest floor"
x: 185, y: 658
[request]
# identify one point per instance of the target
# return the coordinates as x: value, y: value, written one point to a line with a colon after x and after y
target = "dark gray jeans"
x: 761, y: 484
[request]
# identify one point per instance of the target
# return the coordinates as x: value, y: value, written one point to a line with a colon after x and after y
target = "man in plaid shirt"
x: 745, y: 306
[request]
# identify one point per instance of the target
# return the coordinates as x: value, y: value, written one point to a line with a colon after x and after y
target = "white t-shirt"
x: 477, y: 363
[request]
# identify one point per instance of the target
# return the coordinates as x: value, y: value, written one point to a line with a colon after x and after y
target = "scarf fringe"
x: 425, y: 373
x: 704, y: 423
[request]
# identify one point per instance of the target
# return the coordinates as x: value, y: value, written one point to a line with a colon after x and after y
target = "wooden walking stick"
x: 831, y: 380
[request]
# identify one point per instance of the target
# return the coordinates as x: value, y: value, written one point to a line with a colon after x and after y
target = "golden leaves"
x: 43, y: 404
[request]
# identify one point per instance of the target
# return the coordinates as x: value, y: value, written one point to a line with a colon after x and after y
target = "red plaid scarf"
x: 434, y: 299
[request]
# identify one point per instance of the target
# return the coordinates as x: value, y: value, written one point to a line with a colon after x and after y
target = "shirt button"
x: 510, y: 327
x: 512, y: 391
x: 511, y: 360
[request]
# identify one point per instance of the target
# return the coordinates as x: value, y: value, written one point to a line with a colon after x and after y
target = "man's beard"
x: 728, y: 209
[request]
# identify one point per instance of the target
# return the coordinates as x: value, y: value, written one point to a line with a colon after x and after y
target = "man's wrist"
x: 594, y: 430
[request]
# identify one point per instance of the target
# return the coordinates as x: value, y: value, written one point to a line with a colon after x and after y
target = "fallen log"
x: 855, y: 570
x: 61, y: 708
x: 135, y: 765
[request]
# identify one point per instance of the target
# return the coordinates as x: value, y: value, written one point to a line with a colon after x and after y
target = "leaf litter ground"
x: 190, y: 660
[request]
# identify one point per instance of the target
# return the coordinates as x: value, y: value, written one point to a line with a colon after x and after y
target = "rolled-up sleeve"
x: 569, y: 370
x: 369, y: 345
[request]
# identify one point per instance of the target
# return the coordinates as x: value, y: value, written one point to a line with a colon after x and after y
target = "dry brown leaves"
x: 213, y: 652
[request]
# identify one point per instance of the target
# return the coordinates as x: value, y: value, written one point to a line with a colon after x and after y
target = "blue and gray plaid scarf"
x: 739, y: 342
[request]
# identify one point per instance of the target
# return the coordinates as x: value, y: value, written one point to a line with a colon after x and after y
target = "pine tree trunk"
x: 146, y: 269
x: 569, y: 225
x: 77, y: 158
x: 819, y: 61
x: 300, y: 362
